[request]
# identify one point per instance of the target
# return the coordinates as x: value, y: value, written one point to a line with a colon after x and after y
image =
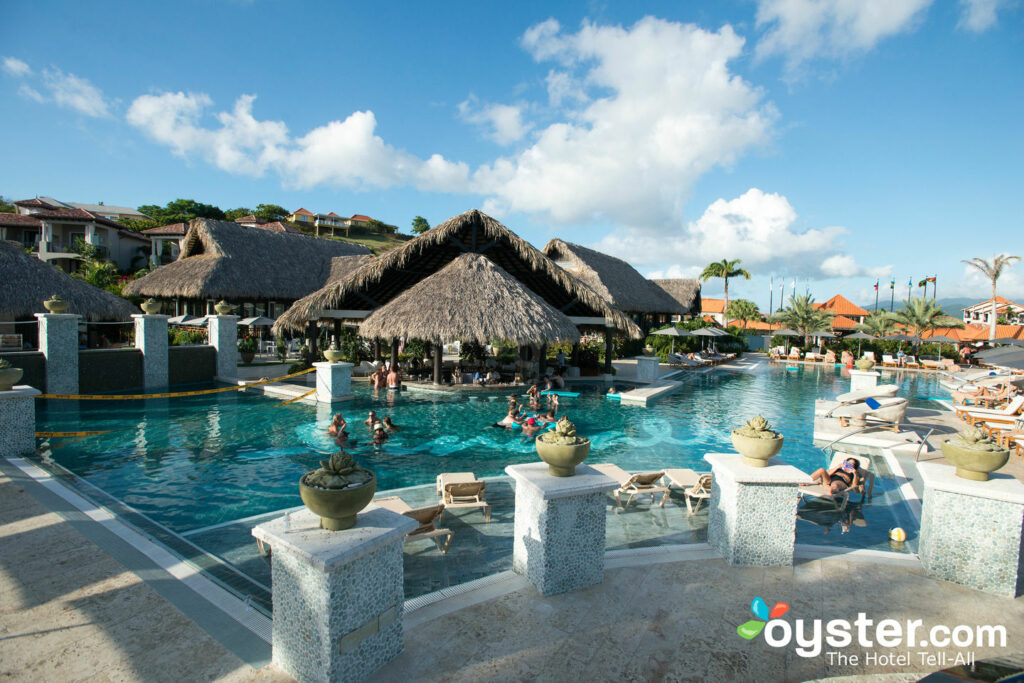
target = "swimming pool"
x: 189, y: 463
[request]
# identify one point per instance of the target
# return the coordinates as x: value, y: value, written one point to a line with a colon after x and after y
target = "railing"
x: 828, y: 449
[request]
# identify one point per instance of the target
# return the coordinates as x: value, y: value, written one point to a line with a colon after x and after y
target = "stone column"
x: 863, y: 380
x: 338, y: 595
x: 223, y: 333
x: 971, y: 531
x: 18, y: 421
x: 58, y: 341
x: 752, y: 511
x: 333, y: 382
x: 151, y: 339
x: 647, y: 368
x: 559, y: 530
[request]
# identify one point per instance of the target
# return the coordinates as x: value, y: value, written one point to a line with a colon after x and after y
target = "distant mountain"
x: 952, y: 306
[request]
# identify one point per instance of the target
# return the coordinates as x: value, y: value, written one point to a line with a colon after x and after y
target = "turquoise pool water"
x: 193, y: 462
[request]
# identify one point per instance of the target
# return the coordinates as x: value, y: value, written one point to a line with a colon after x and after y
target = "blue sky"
x: 832, y: 141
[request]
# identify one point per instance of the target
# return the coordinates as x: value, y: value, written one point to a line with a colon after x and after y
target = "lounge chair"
x: 463, y: 490
x: 879, y: 391
x: 427, y: 517
x: 870, y: 355
x: 911, y: 362
x: 794, y: 354
x: 699, y: 492
x: 840, y: 499
x: 1007, y: 413
x: 888, y: 361
x: 891, y: 411
x: 642, y: 483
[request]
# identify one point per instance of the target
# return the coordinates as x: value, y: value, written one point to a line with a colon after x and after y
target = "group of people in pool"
x: 386, y: 377
x: 531, y: 424
x: 380, y: 429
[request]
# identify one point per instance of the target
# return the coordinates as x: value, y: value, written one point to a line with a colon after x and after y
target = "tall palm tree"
x: 802, y: 316
x: 992, y: 271
x: 878, y: 324
x: 921, y: 314
x: 742, y: 310
x: 724, y: 269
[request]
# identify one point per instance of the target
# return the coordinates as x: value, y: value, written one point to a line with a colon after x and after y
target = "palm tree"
x: 878, y: 324
x: 724, y: 269
x: 992, y: 271
x: 742, y: 310
x: 920, y: 315
x: 802, y: 316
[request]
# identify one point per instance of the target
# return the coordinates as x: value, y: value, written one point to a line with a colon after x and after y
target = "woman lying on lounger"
x: 839, y: 478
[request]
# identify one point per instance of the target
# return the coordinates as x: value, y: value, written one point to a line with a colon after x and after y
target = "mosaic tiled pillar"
x: 859, y: 379
x: 151, y: 339
x: 752, y: 511
x: 333, y: 382
x: 559, y: 527
x: 971, y: 531
x: 58, y: 341
x: 223, y: 331
x: 338, y: 595
x: 18, y: 421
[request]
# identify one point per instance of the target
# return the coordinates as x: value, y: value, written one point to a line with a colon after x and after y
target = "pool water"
x: 193, y: 462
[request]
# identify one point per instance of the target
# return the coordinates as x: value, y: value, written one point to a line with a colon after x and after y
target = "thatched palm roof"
x: 27, y: 282
x: 224, y: 260
x: 471, y: 299
x: 684, y: 290
x: 399, y: 269
x: 614, y: 279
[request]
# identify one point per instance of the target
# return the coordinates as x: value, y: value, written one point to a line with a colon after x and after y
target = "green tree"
x: 742, y: 310
x: 878, y: 324
x: 802, y: 316
x: 992, y: 271
x: 271, y: 212
x: 6, y: 206
x: 724, y: 269
x: 181, y: 211
x: 420, y: 225
x: 232, y: 214
x: 920, y: 315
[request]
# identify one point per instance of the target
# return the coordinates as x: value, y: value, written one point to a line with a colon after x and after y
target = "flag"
x: 923, y: 282
x: 892, y: 283
x: 876, y: 286
x: 910, y: 282
x: 930, y: 279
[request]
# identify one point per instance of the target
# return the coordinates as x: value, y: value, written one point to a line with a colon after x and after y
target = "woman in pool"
x: 512, y: 417
x: 338, y: 426
x: 380, y: 435
x: 548, y: 416
x: 840, y: 478
x: 389, y: 426
x: 371, y: 420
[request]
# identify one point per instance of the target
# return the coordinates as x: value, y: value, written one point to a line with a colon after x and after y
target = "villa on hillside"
x: 321, y: 223
x: 981, y: 313
x: 51, y: 230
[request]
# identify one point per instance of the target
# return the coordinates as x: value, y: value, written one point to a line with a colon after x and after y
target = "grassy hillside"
x: 377, y: 243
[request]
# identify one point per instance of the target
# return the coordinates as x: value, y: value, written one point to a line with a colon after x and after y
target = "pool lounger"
x: 568, y: 394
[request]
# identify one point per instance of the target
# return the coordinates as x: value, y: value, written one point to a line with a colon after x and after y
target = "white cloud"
x: 844, y: 265
x: 801, y: 30
x: 979, y: 15
x: 340, y: 153
x: 31, y: 93
x: 661, y: 108
x: 972, y: 283
x: 675, y: 271
x: 504, y: 121
x: 15, y: 67
x: 68, y: 90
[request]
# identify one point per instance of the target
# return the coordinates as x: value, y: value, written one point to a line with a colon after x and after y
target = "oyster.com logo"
x: 759, y: 607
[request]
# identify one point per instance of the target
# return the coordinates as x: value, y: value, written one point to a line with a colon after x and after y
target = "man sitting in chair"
x: 840, y: 478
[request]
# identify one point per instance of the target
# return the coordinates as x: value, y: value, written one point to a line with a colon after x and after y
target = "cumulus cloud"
x: 979, y: 15
x: 801, y: 30
x: 758, y: 227
x: 68, y: 90
x: 344, y: 153
x: 504, y: 122
x: 1010, y: 285
x: 15, y: 67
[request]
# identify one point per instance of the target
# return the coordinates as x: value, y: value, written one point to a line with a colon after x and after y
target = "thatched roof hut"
x: 28, y: 282
x: 686, y: 291
x: 399, y: 269
x: 224, y: 260
x: 471, y: 299
x: 614, y: 279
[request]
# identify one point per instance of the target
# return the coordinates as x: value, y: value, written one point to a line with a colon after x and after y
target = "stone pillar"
x: 752, y: 512
x: 151, y: 339
x: 647, y: 368
x: 333, y: 381
x: 223, y: 332
x: 559, y: 528
x: 971, y: 531
x: 438, y: 350
x: 338, y: 595
x: 18, y: 421
x: 58, y: 341
x: 863, y: 380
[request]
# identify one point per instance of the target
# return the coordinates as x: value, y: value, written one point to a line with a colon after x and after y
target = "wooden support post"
x: 376, y: 349
x: 609, y: 349
x: 337, y: 331
x: 438, y: 350
x: 394, y: 352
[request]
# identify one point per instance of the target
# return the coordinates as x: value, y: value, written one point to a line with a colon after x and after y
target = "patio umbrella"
x: 709, y: 332
x: 183, y: 320
x: 993, y: 354
x: 784, y: 332
x: 1008, y: 340
x: 942, y: 339
x: 258, y: 321
x: 859, y: 336
x: 902, y: 338
x: 1015, y: 363
x: 673, y: 332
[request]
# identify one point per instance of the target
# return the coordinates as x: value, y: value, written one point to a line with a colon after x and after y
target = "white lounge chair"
x: 1007, y: 413
x: 891, y: 411
x: 427, y: 517
x: 463, y: 490
x: 641, y: 483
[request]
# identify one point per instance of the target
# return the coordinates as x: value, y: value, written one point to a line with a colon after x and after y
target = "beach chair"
x: 911, y: 362
x: 642, y: 483
x: 794, y: 354
x: 427, y: 518
x: 699, y: 492
x: 888, y: 411
x: 462, y: 490
x: 1007, y: 413
x: 870, y: 355
x: 888, y: 361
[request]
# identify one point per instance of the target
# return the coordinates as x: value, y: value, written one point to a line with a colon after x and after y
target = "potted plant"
x: 333, y: 354
x: 55, y: 304
x: 223, y: 307
x: 975, y: 454
x: 9, y: 374
x: 561, y: 449
x: 150, y: 306
x: 337, y: 491
x: 757, y: 442
x: 247, y: 348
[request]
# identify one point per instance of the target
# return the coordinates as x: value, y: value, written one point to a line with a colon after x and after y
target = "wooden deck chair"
x: 463, y: 490
x: 642, y: 483
x: 700, y: 492
x: 427, y: 517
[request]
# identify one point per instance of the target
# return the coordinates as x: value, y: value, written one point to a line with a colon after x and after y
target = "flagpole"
x: 892, y: 294
x: 782, y: 293
x: 771, y: 295
x: 935, y: 286
x: 876, y: 295
x: 910, y: 288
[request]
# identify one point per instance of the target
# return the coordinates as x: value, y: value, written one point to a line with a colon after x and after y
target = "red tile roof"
x: 712, y: 305
x: 841, y: 322
x: 249, y: 219
x: 77, y: 215
x: 334, y: 214
x: 840, y: 305
x: 278, y: 226
x: 1000, y: 301
x: 17, y: 220
x: 303, y: 212
x: 34, y: 203
x: 172, y: 229
x: 360, y: 217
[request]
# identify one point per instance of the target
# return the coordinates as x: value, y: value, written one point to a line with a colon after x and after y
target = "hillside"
x: 377, y: 242
x: 952, y: 305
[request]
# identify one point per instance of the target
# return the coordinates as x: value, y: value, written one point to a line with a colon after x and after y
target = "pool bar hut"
x: 469, y: 275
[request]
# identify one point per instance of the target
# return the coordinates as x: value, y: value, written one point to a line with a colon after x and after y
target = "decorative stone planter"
x: 9, y: 375
x: 333, y: 355
x: 562, y: 450
x: 337, y: 491
x: 974, y: 454
x: 223, y: 308
x: 247, y: 356
x: 150, y: 306
x: 756, y: 442
x: 864, y: 364
x: 55, y: 304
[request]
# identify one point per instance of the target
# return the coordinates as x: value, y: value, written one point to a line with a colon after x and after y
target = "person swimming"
x: 338, y: 426
x: 380, y: 435
x: 530, y: 428
x: 511, y: 418
x: 389, y: 426
x: 371, y: 420
x: 612, y: 390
